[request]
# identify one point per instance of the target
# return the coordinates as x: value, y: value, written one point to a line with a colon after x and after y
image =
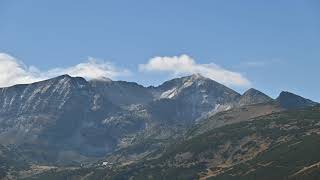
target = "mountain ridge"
x: 68, y: 121
x: 92, y: 118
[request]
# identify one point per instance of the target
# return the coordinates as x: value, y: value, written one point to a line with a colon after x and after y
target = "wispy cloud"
x: 255, y: 63
x: 14, y: 71
x: 260, y: 63
x: 183, y: 65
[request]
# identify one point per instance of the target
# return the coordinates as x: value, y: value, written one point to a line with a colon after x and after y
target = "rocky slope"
x: 253, y: 96
x: 282, y: 145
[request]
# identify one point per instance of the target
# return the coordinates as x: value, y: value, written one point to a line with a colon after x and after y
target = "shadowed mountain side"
x: 292, y: 101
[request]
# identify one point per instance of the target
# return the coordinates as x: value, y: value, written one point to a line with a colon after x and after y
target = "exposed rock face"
x: 292, y: 101
x: 46, y: 96
x: 190, y: 97
x: 253, y: 96
x: 44, y: 115
x: 122, y: 93
x: 34, y: 108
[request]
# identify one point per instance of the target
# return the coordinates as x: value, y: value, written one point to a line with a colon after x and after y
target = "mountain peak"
x: 287, y: 93
x: 196, y: 90
x: 61, y: 77
x: 253, y: 96
x: 67, y: 78
x: 102, y: 79
x: 64, y: 76
x: 290, y: 100
x: 197, y: 76
x: 105, y: 79
x: 253, y: 91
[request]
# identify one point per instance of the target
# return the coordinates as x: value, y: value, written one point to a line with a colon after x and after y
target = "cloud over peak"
x: 15, y: 72
x: 92, y: 69
x: 183, y: 65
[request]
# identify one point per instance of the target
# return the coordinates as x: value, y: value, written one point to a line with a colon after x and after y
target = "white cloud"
x: 13, y: 71
x: 183, y: 65
x: 93, y: 69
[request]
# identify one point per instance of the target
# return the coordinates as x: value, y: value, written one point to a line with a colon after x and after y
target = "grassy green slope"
x: 230, y: 145
x: 290, y: 160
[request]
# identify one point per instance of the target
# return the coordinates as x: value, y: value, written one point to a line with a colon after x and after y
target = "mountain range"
x: 189, y: 127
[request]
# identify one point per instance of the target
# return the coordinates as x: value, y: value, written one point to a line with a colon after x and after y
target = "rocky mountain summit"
x: 253, y: 96
x: 290, y: 100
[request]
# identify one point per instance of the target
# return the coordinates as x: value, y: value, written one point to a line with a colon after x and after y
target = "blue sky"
x: 275, y: 45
